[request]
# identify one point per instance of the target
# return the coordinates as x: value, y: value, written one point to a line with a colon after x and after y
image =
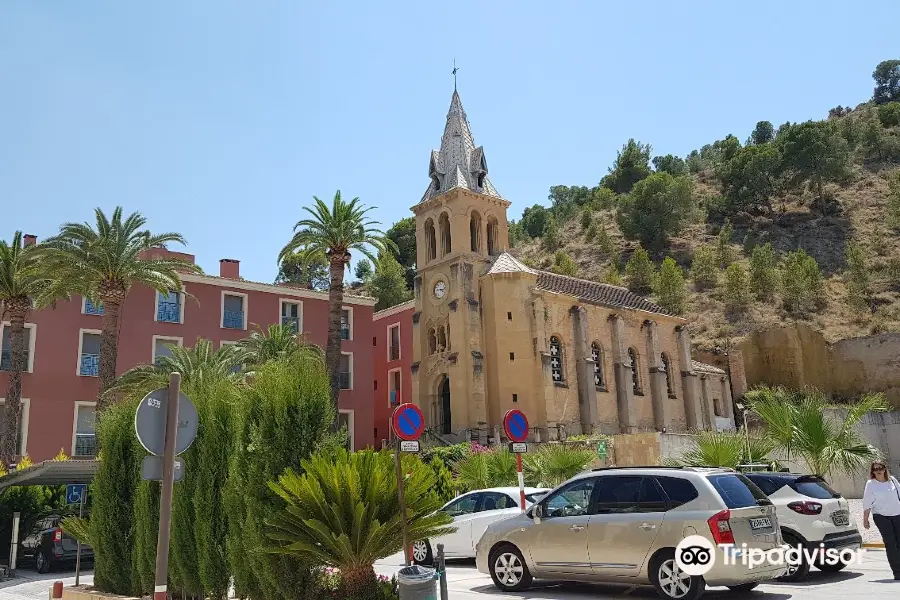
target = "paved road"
x: 872, y: 581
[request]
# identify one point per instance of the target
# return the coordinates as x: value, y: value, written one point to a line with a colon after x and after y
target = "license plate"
x: 840, y: 518
x: 761, y: 523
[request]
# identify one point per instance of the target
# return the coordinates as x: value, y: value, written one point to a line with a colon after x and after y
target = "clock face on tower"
x: 440, y: 288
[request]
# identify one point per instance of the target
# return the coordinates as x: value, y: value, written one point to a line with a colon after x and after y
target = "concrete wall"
x: 798, y: 356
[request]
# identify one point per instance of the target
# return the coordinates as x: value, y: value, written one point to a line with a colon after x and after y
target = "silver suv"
x: 622, y: 525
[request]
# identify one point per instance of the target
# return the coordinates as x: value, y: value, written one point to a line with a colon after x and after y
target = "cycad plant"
x: 798, y: 424
x: 343, y: 512
x: 484, y: 468
x: 331, y: 234
x: 725, y: 449
x: 102, y: 261
x: 278, y: 341
x: 553, y: 464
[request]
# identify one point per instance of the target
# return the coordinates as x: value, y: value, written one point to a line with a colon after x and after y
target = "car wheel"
x: 831, y: 568
x: 744, y: 587
x: 673, y: 583
x: 41, y: 564
x: 421, y: 553
x: 508, y: 569
x: 797, y: 571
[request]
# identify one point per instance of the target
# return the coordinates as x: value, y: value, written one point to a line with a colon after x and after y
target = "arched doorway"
x: 444, y: 406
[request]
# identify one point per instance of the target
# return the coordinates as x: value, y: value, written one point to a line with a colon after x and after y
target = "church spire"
x: 458, y: 163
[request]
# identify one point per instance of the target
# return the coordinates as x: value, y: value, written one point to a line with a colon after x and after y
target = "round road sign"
x: 408, y: 422
x: 516, y: 425
x: 150, y: 422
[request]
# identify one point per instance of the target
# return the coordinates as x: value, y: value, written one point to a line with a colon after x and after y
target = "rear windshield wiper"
x: 764, y: 502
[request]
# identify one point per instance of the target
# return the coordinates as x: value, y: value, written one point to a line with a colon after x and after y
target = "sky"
x: 222, y: 119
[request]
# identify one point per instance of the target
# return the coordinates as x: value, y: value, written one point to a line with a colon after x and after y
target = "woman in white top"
x: 882, y: 498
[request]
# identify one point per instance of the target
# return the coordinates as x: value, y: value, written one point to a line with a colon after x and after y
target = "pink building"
x: 393, y: 360
x: 60, y: 388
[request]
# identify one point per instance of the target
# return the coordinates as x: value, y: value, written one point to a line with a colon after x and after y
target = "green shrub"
x: 604, y: 242
x: 704, y: 268
x: 893, y: 206
x: 764, y: 277
x: 669, y: 287
x: 803, y: 289
x: 587, y: 217
x: 657, y: 208
x: 724, y: 253
x: 640, y: 271
x: 857, y: 277
x: 889, y: 114
x: 737, y: 288
x: 564, y: 265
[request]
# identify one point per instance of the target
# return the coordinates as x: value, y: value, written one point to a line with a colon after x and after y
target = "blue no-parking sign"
x: 75, y: 492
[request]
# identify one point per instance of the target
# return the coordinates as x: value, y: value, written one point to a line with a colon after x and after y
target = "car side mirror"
x: 538, y: 512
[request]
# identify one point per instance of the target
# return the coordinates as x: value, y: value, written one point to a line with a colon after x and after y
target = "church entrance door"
x: 444, y: 396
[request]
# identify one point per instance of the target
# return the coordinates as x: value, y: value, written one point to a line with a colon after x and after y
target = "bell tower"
x: 461, y: 226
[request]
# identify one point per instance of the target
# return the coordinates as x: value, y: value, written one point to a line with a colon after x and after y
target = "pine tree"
x: 857, y: 277
x: 737, y: 288
x: 564, y: 265
x: 669, y: 287
x: 587, y: 217
x: 640, y: 271
x: 803, y: 289
x: 551, y: 237
x: 612, y: 276
x: 893, y: 207
x: 388, y: 282
x: 763, y: 272
x: 723, y: 246
x: 704, y: 269
x: 604, y: 242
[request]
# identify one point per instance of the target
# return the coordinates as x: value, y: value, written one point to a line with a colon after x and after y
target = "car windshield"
x: 814, y: 487
x: 737, y: 491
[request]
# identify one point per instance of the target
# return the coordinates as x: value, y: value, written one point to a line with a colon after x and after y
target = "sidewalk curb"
x: 874, y: 545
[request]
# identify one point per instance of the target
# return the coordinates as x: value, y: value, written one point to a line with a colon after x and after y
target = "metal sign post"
x: 408, y: 422
x: 78, y: 555
x: 516, y: 425
x: 168, y: 481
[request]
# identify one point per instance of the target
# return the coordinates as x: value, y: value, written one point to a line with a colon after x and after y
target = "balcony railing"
x: 85, y: 444
x: 233, y: 319
x: 345, y: 331
x: 91, y: 309
x: 292, y: 322
x: 394, y: 353
x: 345, y: 380
x: 6, y: 360
x: 90, y: 365
x: 169, y: 312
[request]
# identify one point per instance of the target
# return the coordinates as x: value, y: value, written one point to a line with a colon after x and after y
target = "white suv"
x: 811, y: 515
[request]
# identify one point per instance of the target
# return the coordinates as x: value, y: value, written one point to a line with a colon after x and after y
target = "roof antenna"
x: 455, y: 69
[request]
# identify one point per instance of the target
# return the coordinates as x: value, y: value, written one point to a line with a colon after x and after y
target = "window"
x: 394, y: 342
x: 515, y: 397
x: 573, y: 500
x: 89, y: 353
x: 635, y: 372
x: 89, y: 308
x: 347, y: 324
x: 462, y: 506
x: 346, y: 371
x: 446, y: 243
x: 432, y: 341
x: 394, y: 387
x: 667, y: 366
x: 679, y: 491
x: 492, y: 236
x: 597, y: 357
x: 430, y: 241
x: 737, y: 491
x: 85, y: 442
x: 6, y: 347
x: 22, y: 438
x: 441, y: 339
x: 512, y: 356
x: 619, y: 494
x: 717, y: 407
x: 475, y: 231
x: 162, y: 346
x: 234, y: 310
x: 556, y: 361
x: 496, y: 501
x: 169, y: 307
x: 291, y: 313
x: 345, y: 419
x: 509, y: 316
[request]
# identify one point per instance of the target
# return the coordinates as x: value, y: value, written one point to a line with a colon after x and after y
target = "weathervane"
x: 455, y: 69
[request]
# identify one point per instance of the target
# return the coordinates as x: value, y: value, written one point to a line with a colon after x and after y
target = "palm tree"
x: 553, y: 464
x: 22, y: 281
x: 197, y: 365
x: 331, y: 234
x: 725, y: 449
x: 343, y: 512
x: 803, y: 429
x: 102, y: 262
x: 276, y: 342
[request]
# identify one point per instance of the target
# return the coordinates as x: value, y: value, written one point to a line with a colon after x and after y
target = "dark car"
x: 48, y: 546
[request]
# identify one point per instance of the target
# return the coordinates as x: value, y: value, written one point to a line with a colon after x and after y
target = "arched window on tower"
x: 557, y: 370
x: 667, y: 365
x: 444, y: 224
x: 441, y: 339
x: 432, y: 341
x: 635, y: 372
x: 492, y: 237
x: 430, y: 241
x: 475, y: 231
x: 597, y: 357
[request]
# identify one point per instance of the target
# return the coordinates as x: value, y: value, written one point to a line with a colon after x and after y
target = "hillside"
x: 824, y: 215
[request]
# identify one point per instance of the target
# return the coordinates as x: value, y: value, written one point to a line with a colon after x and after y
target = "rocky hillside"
x: 845, y: 214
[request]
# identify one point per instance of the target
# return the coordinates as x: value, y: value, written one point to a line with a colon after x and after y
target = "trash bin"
x: 417, y: 583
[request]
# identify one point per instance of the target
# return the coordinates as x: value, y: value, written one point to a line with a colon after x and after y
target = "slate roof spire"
x: 458, y: 163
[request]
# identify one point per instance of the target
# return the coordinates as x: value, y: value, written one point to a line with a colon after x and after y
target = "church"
x: 490, y: 334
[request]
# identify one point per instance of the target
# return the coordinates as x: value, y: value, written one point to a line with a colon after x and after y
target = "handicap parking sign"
x: 75, y: 492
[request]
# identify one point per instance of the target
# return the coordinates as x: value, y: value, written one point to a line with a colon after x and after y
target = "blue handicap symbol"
x: 74, y: 492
